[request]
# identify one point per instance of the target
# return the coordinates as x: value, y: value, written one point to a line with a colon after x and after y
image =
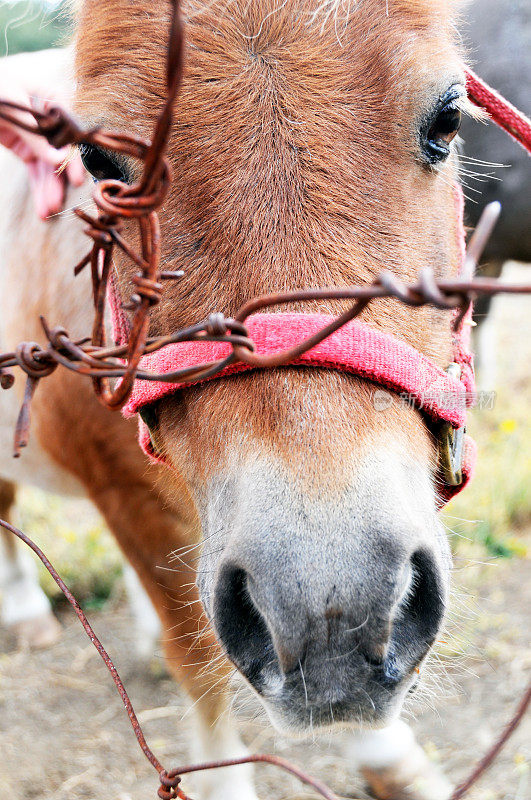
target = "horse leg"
x: 25, y: 609
x: 395, y: 766
x: 149, y: 525
x: 147, y: 623
x: 149, y: 530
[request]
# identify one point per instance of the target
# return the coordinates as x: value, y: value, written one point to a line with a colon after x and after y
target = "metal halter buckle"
x: 451, y: 442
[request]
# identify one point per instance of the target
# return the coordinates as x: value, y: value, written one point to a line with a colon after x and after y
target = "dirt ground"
x: 64, y: 734
x: 63, y: 726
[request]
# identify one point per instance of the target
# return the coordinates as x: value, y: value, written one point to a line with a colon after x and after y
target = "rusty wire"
x: 93, y: 357
x: 117, y: 201
x: 169, y: 780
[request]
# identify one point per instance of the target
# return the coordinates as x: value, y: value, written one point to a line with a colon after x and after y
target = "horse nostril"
x: 415, y: 625
x: 425, y: 601
x: 420, y: 612
x: 241, y: 627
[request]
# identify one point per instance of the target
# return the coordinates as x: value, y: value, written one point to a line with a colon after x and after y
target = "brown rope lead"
x: 491, y: 754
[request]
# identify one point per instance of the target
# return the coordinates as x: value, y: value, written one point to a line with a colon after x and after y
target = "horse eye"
x: 101, y: 163
x: 442, y: 128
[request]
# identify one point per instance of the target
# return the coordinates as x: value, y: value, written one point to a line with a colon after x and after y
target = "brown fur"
x: 296, y: 164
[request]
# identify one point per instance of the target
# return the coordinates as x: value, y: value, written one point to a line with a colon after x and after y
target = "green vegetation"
x: 497, y: 504
x: 33, y: 25
x: 76, y: 540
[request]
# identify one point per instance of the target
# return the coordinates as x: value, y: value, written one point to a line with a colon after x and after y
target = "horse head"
x: 311, y: 146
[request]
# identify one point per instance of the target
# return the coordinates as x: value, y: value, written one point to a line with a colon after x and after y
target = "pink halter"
x: 356, y: 348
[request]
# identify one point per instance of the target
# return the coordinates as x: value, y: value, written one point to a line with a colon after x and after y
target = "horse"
x: 312, y: 145
x: 24, y: 607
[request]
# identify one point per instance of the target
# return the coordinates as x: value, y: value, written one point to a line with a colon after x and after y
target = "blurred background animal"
x: 497, y: 34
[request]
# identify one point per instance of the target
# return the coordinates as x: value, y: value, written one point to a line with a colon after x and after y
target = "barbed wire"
x: 116, y: 202
x: 169, y: 780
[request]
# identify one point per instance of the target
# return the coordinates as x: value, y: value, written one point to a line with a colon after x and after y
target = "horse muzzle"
x: 327, y: 609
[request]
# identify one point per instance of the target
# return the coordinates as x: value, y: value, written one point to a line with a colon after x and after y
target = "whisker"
x: 304, y: 684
